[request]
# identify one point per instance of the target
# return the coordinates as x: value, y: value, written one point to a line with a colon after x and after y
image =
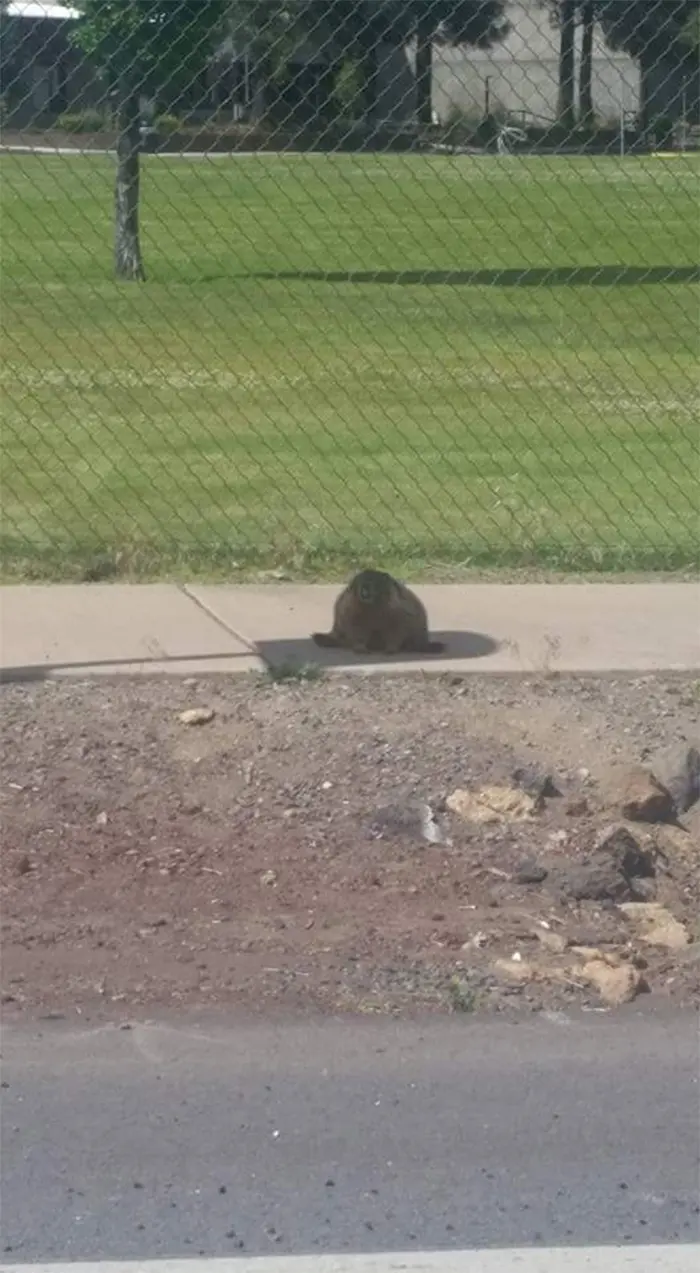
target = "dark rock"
x: 577, y: 807
x: 595, y: 881
x: 603, y: 877
x: 530, y: 873
x: 644, y: 799
x: 625, y: 851
x: 537, y: 783
x: 679, y: 770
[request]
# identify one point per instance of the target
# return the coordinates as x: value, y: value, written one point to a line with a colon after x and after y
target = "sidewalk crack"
x: 250, y: 645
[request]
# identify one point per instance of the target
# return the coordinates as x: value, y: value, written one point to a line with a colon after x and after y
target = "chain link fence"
x: 294, y: 285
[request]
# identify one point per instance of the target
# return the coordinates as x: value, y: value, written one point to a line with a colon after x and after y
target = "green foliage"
x: 88, y: 121
x: 155, y: 45
x: 168, y: 123
x: 353, y: 23
x: 650, y: 28
x: 302, y: 673
x: 348, y: 88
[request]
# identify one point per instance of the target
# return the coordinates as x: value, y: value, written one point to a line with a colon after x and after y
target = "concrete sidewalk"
x: 90, y: 629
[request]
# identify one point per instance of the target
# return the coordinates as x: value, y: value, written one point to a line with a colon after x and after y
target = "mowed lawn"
x: 352, y: 358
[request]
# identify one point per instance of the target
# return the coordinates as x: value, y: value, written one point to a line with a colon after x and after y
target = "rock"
x: 537, y: 783
x: 588, y: 953
x: 679, y: 770
x: 553, y: 942
x: 596, y: 881
x: 416, y: 819
x: 677, y: 842
x: 643, y: 798
x: 644, y: 890
x: 518, y: 971
x: 191, y: 806
x: 268, y: 877
x: 626, y: 851
x: 577, y: 807
x: 197, y: 715
x: 493, y: 804
x: 24, y: 865
x: 658, y: 926
x: 530, y: 873
x: 615, y: 985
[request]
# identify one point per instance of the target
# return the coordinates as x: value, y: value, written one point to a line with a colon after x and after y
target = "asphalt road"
x: 166, y: 1140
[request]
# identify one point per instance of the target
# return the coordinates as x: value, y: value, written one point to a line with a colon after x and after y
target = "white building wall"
x: 523, y: 72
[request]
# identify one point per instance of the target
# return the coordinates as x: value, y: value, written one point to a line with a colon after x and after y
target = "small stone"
x: 24, y: 865
x: 553, y: 942
x: 615, y: 985
x: 191, y: 806
x: 519, y: 971
x: 477, y: 942
x: 268, y: 877
x: 416, y: 820
x: 643, y: 798
x: 530, y: 873
x: 101, y: 820
x: 493, y: 805
x: 589, y: 952
x: 658, y: 926
x: 537, y: 783
x: 577, y: 807
x: 197, y: 715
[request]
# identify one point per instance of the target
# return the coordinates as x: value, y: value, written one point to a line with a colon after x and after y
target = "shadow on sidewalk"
x: 292, y: 652
x: 301, y: 651
x: 45, y: 671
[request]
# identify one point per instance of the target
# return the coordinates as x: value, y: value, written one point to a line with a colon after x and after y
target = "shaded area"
x: 540, y: 276
x: 46, y: 671
x: 302, y: 651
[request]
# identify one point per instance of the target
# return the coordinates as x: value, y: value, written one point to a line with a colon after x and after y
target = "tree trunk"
x: 567, y: 35
x: 424, y: 69
x: 369, y: 73
x: 127, y: 248
x: 585, y: 92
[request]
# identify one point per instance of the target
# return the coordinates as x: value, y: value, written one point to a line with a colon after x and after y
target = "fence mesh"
x: 292, y: 285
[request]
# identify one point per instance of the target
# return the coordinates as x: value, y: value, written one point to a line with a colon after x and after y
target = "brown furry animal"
x: 377, y: 614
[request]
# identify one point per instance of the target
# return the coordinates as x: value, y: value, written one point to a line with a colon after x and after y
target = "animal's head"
x: 372, y: 587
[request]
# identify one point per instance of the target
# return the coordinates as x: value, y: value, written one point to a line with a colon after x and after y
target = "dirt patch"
x: 299, y: 848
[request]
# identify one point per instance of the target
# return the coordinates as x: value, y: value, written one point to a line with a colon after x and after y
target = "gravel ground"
x: 295, y: 852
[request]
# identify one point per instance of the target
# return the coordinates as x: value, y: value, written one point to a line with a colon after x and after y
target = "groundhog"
x: 376, y: 614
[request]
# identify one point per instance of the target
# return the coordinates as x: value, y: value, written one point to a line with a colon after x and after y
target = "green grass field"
x: 351, y: 358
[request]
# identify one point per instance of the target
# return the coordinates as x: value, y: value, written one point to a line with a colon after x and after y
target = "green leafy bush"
x: 88, y: 121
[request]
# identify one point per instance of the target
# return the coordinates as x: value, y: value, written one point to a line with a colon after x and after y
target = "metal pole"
x: 622, y: 127
x: 487, y: 97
